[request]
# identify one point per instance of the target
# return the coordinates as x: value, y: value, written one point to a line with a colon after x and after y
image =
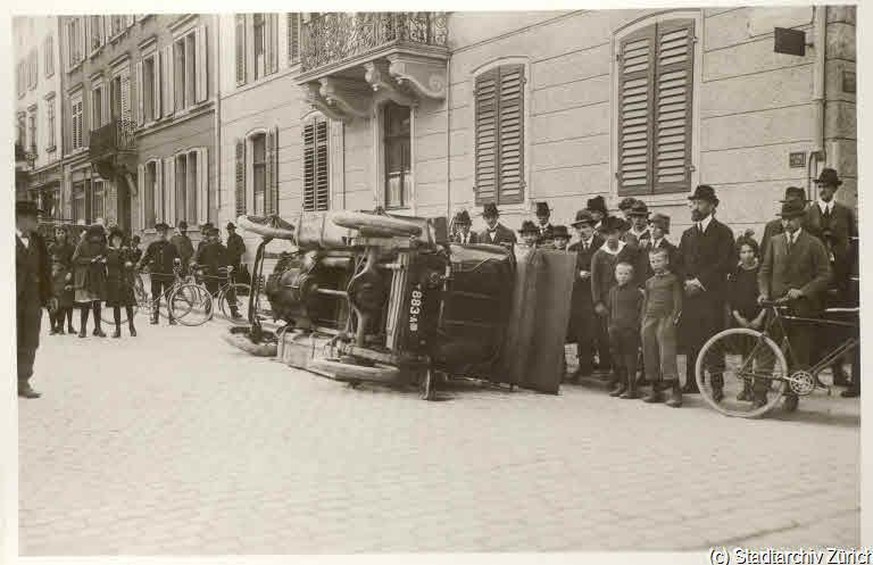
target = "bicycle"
x: 743, y: 356
x: 198, y: 307
x: 178, y: 305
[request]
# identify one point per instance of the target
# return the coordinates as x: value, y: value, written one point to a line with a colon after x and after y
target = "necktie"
x: 790, y: 242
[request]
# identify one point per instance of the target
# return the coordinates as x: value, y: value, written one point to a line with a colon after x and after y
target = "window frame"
x: 653, y: 197
x: 32, y: 127
x: 192, y: 78
x: 76, y: 197
x: 49, y: 62
x: 408, y: 180
x: 77, y: 99
x: 51, y: 123
x: 313, y: 119
x: 254, y: 166
x: 98, y: 85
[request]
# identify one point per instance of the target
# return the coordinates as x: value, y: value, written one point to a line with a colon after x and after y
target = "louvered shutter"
x: 293, y: 37
x: 636, y: 111
x: 157, y: 85
x: 275, y: 186
x: 168, y: 80
x: 269, y: 196
x: 486, y: 135
x: 140, y: 94
x: 240, y: 177
x: 240, y: 49
x: 322, y: 178
x: 142, y: 197
x: 158, y: 198
x: 511, y: 135
x: 201, y: 87
x: 272, y: 47
x: 202, y: 186
x: 125, y: 96
x: 170, y: 190
x: 672, y: 151
x: 309, y: 167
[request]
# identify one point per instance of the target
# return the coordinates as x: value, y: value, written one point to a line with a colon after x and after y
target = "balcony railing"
x: 336, y: 36
x: 111, y: 138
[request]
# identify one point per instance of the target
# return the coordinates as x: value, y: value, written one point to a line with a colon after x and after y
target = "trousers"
x: 29, y: 319
x: 160, y: 285
x: 659, y: 348
x: 625, y: 345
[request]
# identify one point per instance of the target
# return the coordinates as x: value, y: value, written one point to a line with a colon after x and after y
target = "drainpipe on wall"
x: 817, y: 155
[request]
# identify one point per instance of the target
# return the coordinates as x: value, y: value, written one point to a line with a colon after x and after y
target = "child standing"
x: 663, y: 303
x: 625, y: 306
x: 119, y: 281
x: 743, y: 295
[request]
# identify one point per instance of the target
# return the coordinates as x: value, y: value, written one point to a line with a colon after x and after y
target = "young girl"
x: 62, y: 280
x: 89, y: 262
x: 119, y: 281
x: 743, y: 294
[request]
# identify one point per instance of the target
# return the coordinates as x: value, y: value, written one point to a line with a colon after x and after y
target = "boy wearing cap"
x: 659, y: 227
x: 33, y: 290
x: 583, y: 320
x: 639, y: 232
x: 495, y: 233
x: 160, y: 256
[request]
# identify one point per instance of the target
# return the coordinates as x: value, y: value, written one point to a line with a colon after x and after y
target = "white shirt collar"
x: 656, y: 242
x: 793, y: 237
x: 25, y: 239
x: 704, y: 223
x: 606, y: 248
x: 639, y: 233
x: 826, y: 206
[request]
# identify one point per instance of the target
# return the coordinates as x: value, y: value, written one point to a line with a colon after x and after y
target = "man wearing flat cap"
x: 464, y: 234
x: 160, y: 256
x: 33, y: 290
x: 545, y: 227
x: 495, y: 233
x: 706, y: 256
x: 796, y: 268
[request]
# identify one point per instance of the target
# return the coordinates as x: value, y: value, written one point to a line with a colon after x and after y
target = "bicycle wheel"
x: 745, y: 361
x: 239, y: 304
x: 191, y: 305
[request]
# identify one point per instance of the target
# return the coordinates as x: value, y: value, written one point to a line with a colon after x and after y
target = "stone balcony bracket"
x: 425, y: 77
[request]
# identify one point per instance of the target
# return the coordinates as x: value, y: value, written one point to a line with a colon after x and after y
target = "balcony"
x: 350, y: 62
x: 112, y: 148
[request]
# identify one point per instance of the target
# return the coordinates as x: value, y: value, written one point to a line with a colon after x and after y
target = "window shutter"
x: 270, y: 206
x: 141, y: 195
x: 240, y: 177
x: 672, y: 158
x: 88, y: 203
x: 309, y: 166
x: 202, y: 186
x: 240, y: 49
x: 275, y: 186
x: 272, y: 43
x: 200, y: 65
x: 170, y: 190
x: 511, y: 136
x: 167, y: 80
x: 322, y: 182
x: 293, y: 37
x: 636, y: 111
x: 157, y: 85
x: 158, y: 197
x: 140, y: 94
x: 125, y: 96
x: 486, y: 91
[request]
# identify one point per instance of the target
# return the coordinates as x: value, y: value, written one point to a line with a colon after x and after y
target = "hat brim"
x: 837, y: 182
x: 784, y: 215
x: 582, y: 223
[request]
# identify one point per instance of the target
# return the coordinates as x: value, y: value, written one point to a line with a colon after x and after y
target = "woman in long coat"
x: 61, y: 256
x: 119, y: 281
x: 89, y: 277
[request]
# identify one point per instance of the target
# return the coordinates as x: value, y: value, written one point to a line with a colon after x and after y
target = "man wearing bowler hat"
x: 33, y: 290
x: 464, y: 234
x: 774, y: 227
x: 544, y: 226
x: 236, y: 248
x: 160, y: 256
x: 584, y: 324
x: 796, y: 268
x: 706, y: 256
x: 495, y: 233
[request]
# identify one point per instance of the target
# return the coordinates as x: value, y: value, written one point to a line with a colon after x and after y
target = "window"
x: 21, y: 78
x: 259, y: 173
x: 97, y: 32
x: 79, y: 201
x: 97, y: 107
x: 294, y: 37
x: 316, y: 193
x: 116, y: 25
x: 50, y: 123
x: 396, y: 128
x: 189, y: 84
x: 21, y: 122
x: 240, y: 32
x: 97, y: 201
x: 31, y: 128
x: 655, y: 86
x: 257, y: 46
x: 499, y: 94
x: 187, y: 180
x: 76, y: 122
x: 153, y: 204
x: 33, y: 69
x: 148, y: 196
x: 151, y: 110
x: 75, y: 41
x: 49, y: 56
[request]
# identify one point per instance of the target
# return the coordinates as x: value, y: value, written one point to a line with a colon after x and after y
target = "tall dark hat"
x: 829, y: 177
x: 528, y: 226
x: 543, y: 209
x: 704, y: 192
x: 597, y: 204
x: 490, y: 210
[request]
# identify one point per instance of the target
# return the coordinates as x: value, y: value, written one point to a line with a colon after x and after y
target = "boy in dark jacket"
x: 625, y: 305
x: 661, y: 308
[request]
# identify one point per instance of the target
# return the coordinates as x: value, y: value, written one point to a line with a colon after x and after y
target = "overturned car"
x: 376, y: 297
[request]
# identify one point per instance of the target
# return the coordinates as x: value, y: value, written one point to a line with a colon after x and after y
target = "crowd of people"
x: 639, y: 300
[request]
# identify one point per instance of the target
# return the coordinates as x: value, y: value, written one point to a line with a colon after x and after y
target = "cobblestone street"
x: 174, y: 442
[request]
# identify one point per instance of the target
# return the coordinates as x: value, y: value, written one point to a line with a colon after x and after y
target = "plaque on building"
x: 789, y: 41
x: 797, y: 160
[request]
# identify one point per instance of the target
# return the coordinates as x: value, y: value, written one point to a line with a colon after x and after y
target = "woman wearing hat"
x: 119, y: 281
x: 89, y: 278
x: 61, y: 255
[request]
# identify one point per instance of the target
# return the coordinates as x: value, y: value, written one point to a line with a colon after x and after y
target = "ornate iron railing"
x: 115, y: 136
x: 331, y: 37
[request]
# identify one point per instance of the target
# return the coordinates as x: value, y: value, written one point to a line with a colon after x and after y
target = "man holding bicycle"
x: 795, y: 270
x: 160, y: 256
x: 212, y: 261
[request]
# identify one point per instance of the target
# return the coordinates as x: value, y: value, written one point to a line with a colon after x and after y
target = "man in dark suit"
x: 545, y: 227
x: 236, y: 248
x: 706, y: 256
x: 33, y: 290
x: 597, y: 207
x: 796, y: 268
x: 774, y: 227
x: 464, y: 234
x: 583, y: 320
x: 496, y: 233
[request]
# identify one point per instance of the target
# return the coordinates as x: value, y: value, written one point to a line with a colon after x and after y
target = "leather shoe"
x: 850, y: 393
x: 717, y: 394
x: 790, y: 403
x: 25, y: 391
x: 618, y: 391
x: 690, y: 388
x: 655, y: 396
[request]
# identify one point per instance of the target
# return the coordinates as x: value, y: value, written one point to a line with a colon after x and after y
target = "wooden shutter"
x: 140, y: 94
x: 636, y: 111
x: 270, y: 196
x: 202, y: 186
x: 240, y: 49
x: 309, y: 166
x: 125, y: 96
x: 240, y: 177
x: 201, y: 87
x: 168, y: 81
x: 141, y: 195
x: 322, y: 172
x: 673, y: 92
x: 271, y: 27
x: 486, y: 92
x: 158, y: 197
x: 170, y: 190
x: 293, y: 37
